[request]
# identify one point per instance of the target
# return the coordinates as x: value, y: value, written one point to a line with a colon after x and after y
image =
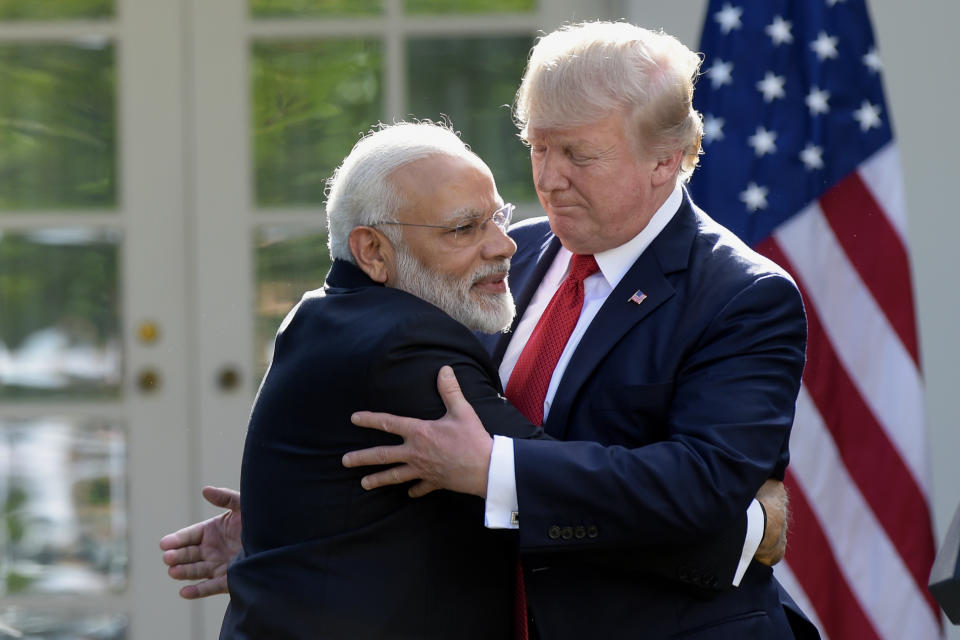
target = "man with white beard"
x: 417, y: 233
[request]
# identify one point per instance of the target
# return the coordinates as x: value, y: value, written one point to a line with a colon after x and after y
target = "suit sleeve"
x: 417, y: 351
x: 725, y: 432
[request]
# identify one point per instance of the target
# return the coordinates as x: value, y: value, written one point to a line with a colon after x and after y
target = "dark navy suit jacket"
x: 682, y: 406
x: 322, y: 558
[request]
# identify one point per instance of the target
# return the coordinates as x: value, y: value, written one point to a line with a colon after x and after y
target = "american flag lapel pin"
x: 638, y: 297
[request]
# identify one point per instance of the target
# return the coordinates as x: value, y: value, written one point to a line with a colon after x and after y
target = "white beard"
x: 487, y: 313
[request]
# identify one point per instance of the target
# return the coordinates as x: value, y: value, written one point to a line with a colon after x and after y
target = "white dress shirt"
x: 502, y: 503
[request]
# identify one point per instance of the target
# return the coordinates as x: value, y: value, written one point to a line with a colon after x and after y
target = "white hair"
x: 580, y: 73
x: 360, y: 191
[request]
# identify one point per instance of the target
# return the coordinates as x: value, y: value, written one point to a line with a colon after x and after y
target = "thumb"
x: 449, y: 389
x: 224, y: 498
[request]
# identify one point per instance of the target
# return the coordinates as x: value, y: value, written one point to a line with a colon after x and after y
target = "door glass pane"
x: 303, y: 8
x: 473, y: 81
x: 54, y: 9
x: 63, y: 625
x: 59, y: 314
x: 311, y: 102
x: 289, y: 261
x: 57, y: 125
x: 469, y: 6
x: 63, y: 494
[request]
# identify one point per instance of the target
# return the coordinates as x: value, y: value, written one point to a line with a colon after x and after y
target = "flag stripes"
x: 877, y: 253
x: 861, y: 338
x: 869, y: 562
x: 893, y: 495
x: 800, y: 161
x: 814, y: 563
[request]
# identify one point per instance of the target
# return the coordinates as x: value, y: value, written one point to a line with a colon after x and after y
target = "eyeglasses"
x: 469, y: 230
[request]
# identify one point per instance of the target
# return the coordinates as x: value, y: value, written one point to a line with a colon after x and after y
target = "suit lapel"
x: 525, y: 275
x: 669, y: 252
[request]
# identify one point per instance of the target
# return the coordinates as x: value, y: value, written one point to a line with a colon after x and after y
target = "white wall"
x: 917, y: 43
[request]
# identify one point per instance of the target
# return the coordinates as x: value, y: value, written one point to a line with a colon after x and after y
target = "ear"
x: 666, y: 168
x: 373, y: 253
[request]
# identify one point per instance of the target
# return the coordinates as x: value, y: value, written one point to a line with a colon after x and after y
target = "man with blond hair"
x: 668, y: 353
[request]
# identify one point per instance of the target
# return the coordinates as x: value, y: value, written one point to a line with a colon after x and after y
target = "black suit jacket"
x: 681, y: 407
x: 322, y: 557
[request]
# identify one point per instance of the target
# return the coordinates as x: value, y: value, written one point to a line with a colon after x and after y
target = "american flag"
x: 801, y: 163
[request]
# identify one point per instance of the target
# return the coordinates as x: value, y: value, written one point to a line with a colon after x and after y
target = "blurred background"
x: 162, y: 168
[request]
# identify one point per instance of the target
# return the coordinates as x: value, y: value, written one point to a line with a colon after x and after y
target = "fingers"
x: 182, y: 538
x: 222, y: 497
x: 182, y: 555
x: 193, y: 571
x: 449, y: 389
x: 384, y: 422
x: 395, y: 475
x: 373, y: 456
x: 205, y: 588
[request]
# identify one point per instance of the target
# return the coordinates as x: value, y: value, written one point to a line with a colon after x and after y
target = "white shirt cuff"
x: 752, y: 543
x: 501, y: 510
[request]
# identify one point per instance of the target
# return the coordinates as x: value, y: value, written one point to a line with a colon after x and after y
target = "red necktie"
x: 528, y: 383
x: 527, y: 387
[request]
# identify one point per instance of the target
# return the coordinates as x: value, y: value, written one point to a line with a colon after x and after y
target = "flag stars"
x: 729, y: 18
x: 771, y: 86
x: 755, y: 197
x: 825, y: 46
x: 868, y: 115
x: 812, y: 157
x: 763, y: 141
x: 720, y: 73
x: 872, y: 61
x: 712, y: 128
x: 779, y: 31
x: 817, y: 101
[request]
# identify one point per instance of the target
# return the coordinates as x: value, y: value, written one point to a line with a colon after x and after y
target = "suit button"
x: 580, y: 533
x: 683, y: 575
x: 567, y: 533
x: 554, y: 532
x: 592, y: 531
x: 695, y: 577
x: 712, y: 582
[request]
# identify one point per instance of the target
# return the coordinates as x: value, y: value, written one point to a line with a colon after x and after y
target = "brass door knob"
x: 148, y: 380
x: 228, y: 378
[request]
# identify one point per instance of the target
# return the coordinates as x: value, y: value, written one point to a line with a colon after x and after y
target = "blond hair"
x: 582, y: 72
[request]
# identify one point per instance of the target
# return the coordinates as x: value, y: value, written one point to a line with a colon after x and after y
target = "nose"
x: 548, y: 173
x: 497, y: 244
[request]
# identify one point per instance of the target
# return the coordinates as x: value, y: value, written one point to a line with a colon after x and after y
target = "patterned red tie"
x: 527, y: 387
x: 528, y: 383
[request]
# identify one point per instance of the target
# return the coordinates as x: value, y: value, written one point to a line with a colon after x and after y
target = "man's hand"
x: 450, y: 453
x: 773, y: 497
x: 203, y: 550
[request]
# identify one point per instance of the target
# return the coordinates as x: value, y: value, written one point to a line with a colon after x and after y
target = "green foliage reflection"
x: 473, y: 81
x: 61, y: 288
x: 469, y: 6
x: 311, y: 102
x: 54, y: 9
x: 289, y: 262
x: 57, y: 126
x: 313, y: 8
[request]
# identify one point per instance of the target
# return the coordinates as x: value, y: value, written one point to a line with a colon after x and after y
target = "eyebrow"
x: 467, y: 213
x: 458, y: 215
